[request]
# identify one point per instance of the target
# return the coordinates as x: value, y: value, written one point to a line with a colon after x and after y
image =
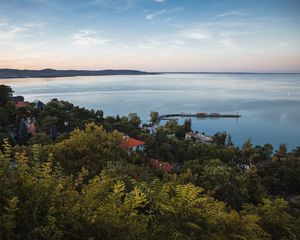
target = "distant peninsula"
x: 51, y: 73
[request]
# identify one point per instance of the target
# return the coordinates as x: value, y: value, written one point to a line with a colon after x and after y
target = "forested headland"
x: 53, y: 73
x: 65, y: 174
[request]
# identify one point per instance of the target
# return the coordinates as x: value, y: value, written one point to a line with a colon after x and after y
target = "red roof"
x: 132, y: 142
x: 159, y: 165
x: 22, y: 104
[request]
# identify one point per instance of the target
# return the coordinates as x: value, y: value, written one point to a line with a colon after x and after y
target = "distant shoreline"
x: 53, y: 73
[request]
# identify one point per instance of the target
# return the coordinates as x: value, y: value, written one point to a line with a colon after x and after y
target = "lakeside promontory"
x: 48, y: 73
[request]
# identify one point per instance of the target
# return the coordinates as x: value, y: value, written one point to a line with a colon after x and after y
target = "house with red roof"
x: 132, y: 144
x: 160, y: 166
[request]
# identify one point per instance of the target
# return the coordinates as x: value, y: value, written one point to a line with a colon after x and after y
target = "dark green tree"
x: 220, y: 138
x: 5, y: 94
x: 154, y: 116
x: 187, y: 125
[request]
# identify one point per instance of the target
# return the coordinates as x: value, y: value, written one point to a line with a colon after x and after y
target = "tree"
x: 90, y: 148
x: 4, y: 117
x: 172, y: 125
x: 296, y: 152
x: 99, y: 115
x: 39, y: 201
x: 183, y: 211
x: 227, y: 184
x: 248, y: 152
x: 281, y: 177
x: 65, y: 117
x: 110, y: 119
x: 275, y: 219
x: 229, y: 141
x: 40, y: 138
x: 7, y: 111
x: 187, y: 125
x: 281, y: 152
x: 154, y: 117
x: 268, y: 150
x: 134, y: 119
x: 5, y: 94
x: 253, y: 183
x: 23, y: 135
x: 264, y: 152
x: 180, y: 133
x: 220, y: 138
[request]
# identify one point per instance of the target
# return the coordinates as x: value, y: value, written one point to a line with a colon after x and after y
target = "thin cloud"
x: 232, y: 13
x: 116, y: 5
x: 86, y: 37
x: 228, y: 43
x: 160, y: 1
x: 237, y: 33
x: 225, y: 34
x: 213, y: 35
x: 14, y: 32
x: 161, y: 13
x: 161, y: 42
x: 195, y: 34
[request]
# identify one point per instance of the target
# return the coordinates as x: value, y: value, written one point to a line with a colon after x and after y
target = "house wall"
x: 138, y: 148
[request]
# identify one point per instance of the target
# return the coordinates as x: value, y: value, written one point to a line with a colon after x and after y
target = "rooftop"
x: 161, y: 166
x: 22, y: 104
x: 132, y: 142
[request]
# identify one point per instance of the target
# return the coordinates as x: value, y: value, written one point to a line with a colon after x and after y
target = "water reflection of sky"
x: 269, y: 103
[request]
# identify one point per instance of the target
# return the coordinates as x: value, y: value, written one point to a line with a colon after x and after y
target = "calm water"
x: 269, y: 103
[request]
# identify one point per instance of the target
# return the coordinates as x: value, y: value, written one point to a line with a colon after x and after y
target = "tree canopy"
x: 73, y: 179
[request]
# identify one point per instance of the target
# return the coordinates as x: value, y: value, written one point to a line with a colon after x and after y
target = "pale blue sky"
x: 152, y: 35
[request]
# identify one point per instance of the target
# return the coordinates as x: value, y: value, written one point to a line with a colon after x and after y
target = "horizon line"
x: 157, y: 72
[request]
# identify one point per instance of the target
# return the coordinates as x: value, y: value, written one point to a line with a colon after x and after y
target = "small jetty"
x: 198, y: 115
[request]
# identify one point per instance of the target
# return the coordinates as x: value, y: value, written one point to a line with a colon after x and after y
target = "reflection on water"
x: 269, y: 103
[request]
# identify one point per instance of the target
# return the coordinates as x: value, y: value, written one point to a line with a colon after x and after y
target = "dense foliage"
x: 80, y: 183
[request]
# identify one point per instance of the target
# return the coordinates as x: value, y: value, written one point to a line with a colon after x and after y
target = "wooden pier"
x: 198, y: 115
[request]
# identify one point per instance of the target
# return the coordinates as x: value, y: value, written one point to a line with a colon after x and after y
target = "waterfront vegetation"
x: 72, y: 180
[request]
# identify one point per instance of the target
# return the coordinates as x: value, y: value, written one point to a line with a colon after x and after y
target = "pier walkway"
x: 198, y: 115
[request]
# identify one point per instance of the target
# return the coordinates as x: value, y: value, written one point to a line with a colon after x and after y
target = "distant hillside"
x: 16, y: 73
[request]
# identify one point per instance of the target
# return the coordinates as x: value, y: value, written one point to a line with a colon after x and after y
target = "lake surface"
x: 269, y: 103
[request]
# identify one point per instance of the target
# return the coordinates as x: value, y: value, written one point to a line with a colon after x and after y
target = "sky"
x: 151, y: 35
